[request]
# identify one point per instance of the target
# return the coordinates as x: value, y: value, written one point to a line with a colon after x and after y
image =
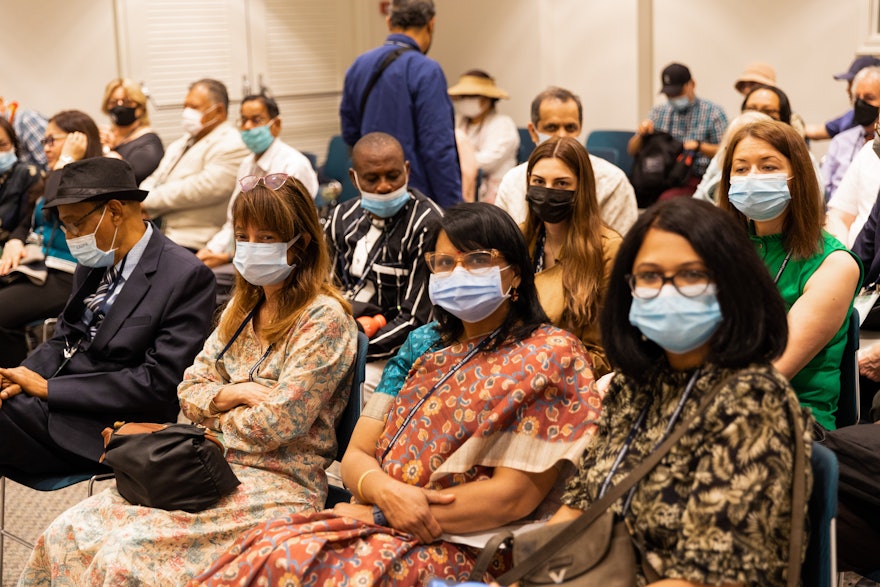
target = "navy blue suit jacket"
x: 130, y: 371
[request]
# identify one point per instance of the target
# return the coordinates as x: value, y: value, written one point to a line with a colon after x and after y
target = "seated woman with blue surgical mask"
x: 691, y: 311
x: 769, y: 186
x: 272, y: 379
x: 495, y: 413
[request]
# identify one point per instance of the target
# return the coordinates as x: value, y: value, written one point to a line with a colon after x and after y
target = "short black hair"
x: 478, y: 225
x: 13, y: 138
x: 555, y: 93
x: 216, y: 90
x: 270, y: 103
x: 784, y: 104
x: 411, y: 14
x: 754, y: 326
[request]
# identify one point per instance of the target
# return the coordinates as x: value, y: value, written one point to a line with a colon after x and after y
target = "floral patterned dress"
x: 717, y: 509
x: 278, y: 449
x: 527, y: 405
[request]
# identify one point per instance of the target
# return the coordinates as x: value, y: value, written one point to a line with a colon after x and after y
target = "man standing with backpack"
x: 398, y: 90
x: 696, y: 123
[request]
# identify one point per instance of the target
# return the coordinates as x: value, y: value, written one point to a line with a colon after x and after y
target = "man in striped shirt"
x: 377, y: 243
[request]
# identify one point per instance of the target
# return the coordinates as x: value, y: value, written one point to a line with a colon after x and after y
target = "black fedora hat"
x: 96, y: 178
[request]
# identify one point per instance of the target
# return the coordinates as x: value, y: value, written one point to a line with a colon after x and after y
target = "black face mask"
x: 864, y: 113
x: 123, y: 115
x: 550, y: 205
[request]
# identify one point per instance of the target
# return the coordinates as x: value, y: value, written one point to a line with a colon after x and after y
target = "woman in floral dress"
x: 272, y: 379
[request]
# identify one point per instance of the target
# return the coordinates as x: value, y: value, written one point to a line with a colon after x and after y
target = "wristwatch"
x: 379, y: 517
x: 64, y: 160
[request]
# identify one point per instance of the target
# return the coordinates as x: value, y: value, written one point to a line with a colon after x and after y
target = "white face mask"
x: 263, y: 263
x: 469, y: 107
x: 85, y: 248
x: 191, y: 120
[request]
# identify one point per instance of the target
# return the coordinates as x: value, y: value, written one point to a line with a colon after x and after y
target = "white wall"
x: 58, y: 55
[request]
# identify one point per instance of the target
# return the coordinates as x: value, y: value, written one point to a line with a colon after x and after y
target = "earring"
x: 514, y: 295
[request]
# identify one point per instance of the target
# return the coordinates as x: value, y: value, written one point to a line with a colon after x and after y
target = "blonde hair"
x: 133, y: 91
x: 581, y: 254
x: 288, y: 211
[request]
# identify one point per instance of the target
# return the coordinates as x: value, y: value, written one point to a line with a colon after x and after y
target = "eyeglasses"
x: 772, y: 113
x: 49, y: 141
x: 474, y: 261
x: 273, y: 181
x: 688, y: 282
x: 72, y: 228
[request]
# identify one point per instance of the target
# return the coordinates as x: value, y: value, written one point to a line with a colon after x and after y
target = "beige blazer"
x: 191, y: 187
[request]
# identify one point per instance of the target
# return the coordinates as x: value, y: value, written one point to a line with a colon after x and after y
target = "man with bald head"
x: 377, y: 243
x: 191, y: 187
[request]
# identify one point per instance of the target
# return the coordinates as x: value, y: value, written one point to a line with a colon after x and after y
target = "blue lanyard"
x: 624, y: 450
x: 482, y: 344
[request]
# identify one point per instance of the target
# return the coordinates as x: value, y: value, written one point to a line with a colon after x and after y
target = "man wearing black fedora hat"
x: 139, y: 313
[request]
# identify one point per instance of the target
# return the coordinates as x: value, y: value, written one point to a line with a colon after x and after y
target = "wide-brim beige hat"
x: 760, y: 73
x: 472, y: 85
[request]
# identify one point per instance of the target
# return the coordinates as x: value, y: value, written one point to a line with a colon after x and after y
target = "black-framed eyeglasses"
x: 474, y: 261
x: 688, y: 282
x: 72, y: 228
x: 49, y: 140
x: 273, y: 181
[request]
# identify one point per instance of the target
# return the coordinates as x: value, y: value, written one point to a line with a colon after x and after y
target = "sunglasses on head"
x: 273, y: 181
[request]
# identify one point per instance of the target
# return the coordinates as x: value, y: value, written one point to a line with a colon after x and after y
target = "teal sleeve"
x: 398, y: 367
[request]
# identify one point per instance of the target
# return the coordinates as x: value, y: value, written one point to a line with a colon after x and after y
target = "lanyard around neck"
x: 624, y: 450
x: 479, y: 347
x: 782, y: 267
x: 238, y: 331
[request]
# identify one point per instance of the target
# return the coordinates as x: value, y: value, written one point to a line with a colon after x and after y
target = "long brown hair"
x: 581, y: 253
x: 802, y: 228
x: 288, y: 211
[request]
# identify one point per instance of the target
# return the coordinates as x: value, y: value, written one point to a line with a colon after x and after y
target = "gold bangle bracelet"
x: 360, y: 483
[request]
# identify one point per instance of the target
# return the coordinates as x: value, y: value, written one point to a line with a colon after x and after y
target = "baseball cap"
x: 674, y: 77
x: 857, y: 65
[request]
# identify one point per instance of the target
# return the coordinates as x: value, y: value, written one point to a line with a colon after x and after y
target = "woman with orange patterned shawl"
x: 482, y: 435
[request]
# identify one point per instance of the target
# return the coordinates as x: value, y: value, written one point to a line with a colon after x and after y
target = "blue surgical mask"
x: 85, y: 248
x: 258, y: 139
x: 680, y: 103
x: 263, y: 263
x: 7, y: 160
x: 675, y: 322
x: 470, y: 297
x: 543, y: 138
x: 383, y: 205
x: 762, y: 196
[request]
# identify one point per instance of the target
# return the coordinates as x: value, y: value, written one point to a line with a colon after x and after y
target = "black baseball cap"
x: 674, y: 77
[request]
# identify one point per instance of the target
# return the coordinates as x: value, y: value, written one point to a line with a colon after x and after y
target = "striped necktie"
x: 95, y: 301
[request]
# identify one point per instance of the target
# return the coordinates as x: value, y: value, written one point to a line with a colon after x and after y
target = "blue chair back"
x: 819, y: 568
x: 848, y: 404
x: 350, y: 416
x: 526, y: 146
x: 604, y: 141
x: 337, y: 165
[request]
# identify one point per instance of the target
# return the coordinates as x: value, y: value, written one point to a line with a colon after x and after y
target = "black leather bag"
x: 168, y: 466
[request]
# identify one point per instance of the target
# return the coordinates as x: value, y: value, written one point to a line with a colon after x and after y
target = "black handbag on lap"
x: 168, y: 466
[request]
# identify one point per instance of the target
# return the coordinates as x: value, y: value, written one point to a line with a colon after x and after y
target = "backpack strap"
x: 390, y: 58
